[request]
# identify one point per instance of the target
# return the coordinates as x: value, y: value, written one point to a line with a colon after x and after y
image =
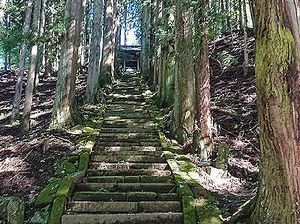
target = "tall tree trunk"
x: 93, y: 81
x: 83, y: 36
x: 2, y: 11
x: 64, y: 109
x: 246, y: 54
x: 184, y: 108
x: 277, y: 77
x: 203, y: 127
x: 108, y: 61
x: 25, y: 126
x: 22, y: 57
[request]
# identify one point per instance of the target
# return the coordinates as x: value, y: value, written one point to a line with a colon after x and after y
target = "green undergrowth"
x: 53, y: 198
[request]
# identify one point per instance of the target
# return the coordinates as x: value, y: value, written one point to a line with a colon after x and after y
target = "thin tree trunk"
x: 64, y: 109
x: 20, y: 73
x: 278, y: 78
x: 25, y: 126
x: 246, y: 53
x: 93, y: 81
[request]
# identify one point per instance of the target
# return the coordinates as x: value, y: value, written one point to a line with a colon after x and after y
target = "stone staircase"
x: 128, y: 180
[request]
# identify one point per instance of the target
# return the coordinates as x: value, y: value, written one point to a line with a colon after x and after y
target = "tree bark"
x: 93, y: 81
x: 184, y: 106
x: 108, y: 61
x: 203, y: 126
x: 64, y: 109
x: 22, y: 57
x: 277, y: 76
x: 25, y: 126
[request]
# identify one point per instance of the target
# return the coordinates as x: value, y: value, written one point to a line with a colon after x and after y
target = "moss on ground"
x: 47, y: 195
x: 84, y: 161
x: 58, y: 209
x: 65, y: 168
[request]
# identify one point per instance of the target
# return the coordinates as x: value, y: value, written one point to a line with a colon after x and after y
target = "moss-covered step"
x: 128, y: 158
x: 129, y: 136
x: 124, y: 207
x: 124, y: 196
x: 129, y: 130
x: 149, y: 218
x: 127, y: 187
x: 128, y: 143
x: 146, y: 172
x: 145, y: 149
x: 128, y: 151
x: 127, y: 165
x: 127, y: 179
x: 149, y: 140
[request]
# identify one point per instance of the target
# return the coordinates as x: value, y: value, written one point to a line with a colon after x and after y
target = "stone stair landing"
x: 128, y: 180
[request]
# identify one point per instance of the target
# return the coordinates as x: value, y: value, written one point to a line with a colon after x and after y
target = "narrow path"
x: 128, y: 180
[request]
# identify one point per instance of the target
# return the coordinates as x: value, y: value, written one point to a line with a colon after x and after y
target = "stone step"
x: 129, y: 125
x: 128, y: 135
x: 121, y: 196
x: 117, y: 116
x: 113, y: 164
x: 124, y: 207
x: 127, y: 187
x: 128, y: 130
x: 126, y: 110
x: 137, y: 141
x: 142, y: 218
x: 140, y: 172
x: 127, y: 179
x: 147, y: 160
x: 129, y: 149
x: 124, y: 106
x: 128, y: 143
x: 123, y: 102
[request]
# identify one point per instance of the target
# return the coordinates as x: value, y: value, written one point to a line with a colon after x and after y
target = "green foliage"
x: 226, y: 60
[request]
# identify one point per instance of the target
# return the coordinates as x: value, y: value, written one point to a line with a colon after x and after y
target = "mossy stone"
x: 41, y: 216
x: 58, y: 209
x: 65, y: 168
x: 186, y: 166
x: 84, y: 161
x: 47, y: 195
x: 189, y: 211
x: 64, y: 187
x: 15, y: 211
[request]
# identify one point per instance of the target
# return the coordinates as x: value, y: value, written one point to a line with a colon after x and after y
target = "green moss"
x: 47, y: 195
x: 223, y: 156
x: 58, y: 209
x: 189, y: 211
x: 41, y: 216
x: 65, y: 168
x: 15, y: 211
x: 90, y: 131
x: 84, y: 161
x: 183, y: 158
x: 64, y: 186
x: 168, y: 155
x: 186, y: 166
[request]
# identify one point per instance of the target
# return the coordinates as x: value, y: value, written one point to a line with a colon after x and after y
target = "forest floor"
x: 235, y: 122
x: 26, y: 164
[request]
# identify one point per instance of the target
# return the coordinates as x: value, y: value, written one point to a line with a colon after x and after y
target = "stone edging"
x: 70, y: 171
